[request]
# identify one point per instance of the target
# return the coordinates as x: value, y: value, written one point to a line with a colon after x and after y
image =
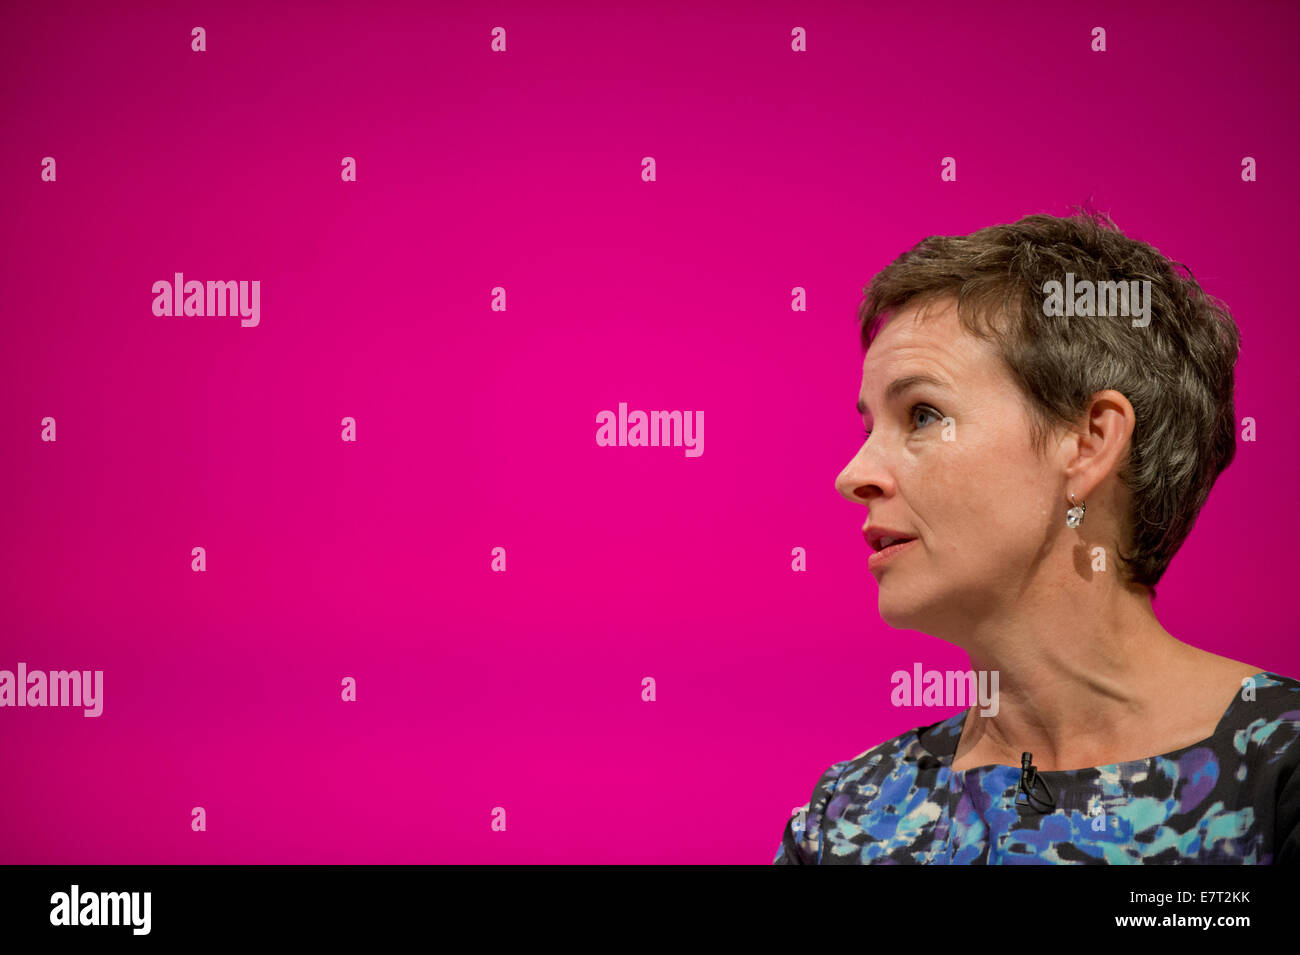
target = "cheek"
x: 997, y: 456
x: 978, y: 497
x: 942, y: 473
x: 1009, y: 489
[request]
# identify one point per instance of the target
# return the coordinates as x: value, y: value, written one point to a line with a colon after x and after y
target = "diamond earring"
x: 1074, y: 516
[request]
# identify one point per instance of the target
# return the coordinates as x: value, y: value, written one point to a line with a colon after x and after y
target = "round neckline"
x: 987, y: 768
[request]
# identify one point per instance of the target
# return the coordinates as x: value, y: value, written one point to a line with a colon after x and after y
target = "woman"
x: 1039, y: 466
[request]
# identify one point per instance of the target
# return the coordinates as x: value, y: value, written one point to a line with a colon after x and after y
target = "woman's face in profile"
x: 949, y: 462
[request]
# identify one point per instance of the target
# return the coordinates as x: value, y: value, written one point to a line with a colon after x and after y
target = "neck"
x: 1081, y: 665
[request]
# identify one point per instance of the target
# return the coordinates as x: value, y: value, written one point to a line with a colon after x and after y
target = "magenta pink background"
x: 476, y: 428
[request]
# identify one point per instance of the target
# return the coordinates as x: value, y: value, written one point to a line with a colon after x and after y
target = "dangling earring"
x: 1074, y: 516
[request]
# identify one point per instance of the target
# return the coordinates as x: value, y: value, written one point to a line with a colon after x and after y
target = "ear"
x: 1100, y: 442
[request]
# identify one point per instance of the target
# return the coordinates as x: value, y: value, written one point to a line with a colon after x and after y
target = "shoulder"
x: 1265, y: 716
x: 1262, y: 728
x: 916, y: 747
x: 896, y: 759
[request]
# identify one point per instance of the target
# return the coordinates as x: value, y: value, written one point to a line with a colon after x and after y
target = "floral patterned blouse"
x: 1233, y: 798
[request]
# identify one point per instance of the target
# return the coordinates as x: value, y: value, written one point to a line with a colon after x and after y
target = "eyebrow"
x: 900, y: 385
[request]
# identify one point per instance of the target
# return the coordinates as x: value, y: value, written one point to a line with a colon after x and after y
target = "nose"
x: 864, y: 478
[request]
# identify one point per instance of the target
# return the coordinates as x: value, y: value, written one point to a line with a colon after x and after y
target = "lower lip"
x: 890, y: 553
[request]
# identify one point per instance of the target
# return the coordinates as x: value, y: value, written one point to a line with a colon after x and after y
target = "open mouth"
x: 886, y: 548
x: 888, y: 543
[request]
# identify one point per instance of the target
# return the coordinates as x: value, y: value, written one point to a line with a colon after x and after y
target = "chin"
x: 903, y: 610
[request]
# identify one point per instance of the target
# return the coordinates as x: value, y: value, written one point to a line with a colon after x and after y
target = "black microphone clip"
x: 1029, y: 778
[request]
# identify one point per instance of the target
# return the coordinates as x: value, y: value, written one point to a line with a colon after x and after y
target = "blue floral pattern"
x: 1233, y: 798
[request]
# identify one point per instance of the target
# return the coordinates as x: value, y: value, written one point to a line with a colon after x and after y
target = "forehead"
x: 928, y: 340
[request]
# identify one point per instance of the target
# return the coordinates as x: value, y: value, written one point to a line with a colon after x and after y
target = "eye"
x: 926, y: 410
x: 923, y: 409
